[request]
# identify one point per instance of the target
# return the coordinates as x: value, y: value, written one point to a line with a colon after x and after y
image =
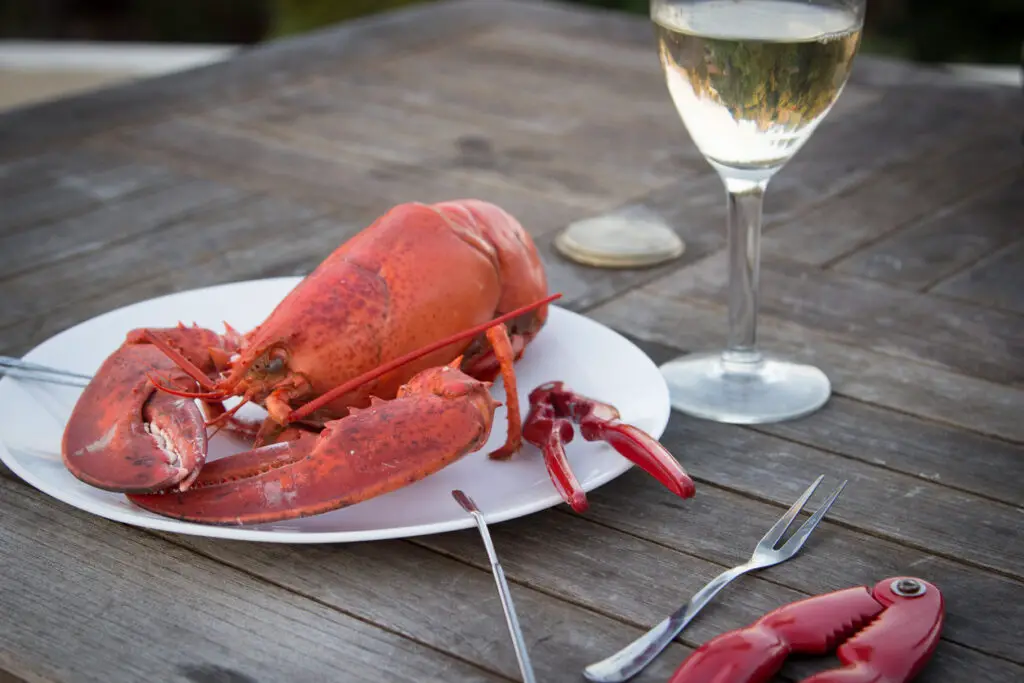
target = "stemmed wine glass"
x: 751, y: 80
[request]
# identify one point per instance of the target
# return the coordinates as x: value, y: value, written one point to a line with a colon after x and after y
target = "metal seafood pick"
x: 499, y: 577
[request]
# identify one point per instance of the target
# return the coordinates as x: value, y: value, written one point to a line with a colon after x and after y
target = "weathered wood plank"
x: 723, y: 526
x: 192, y: 252
x: 432, y: 144
x: 903, y: 443
x: 906, y: 509
x: 295, y: 252
x: 337, y: 49
x: 442, y: 603
x: 996, y: 281
x: 97, y: 229
x: 582, y: 563
x: 410, y: 123
x: 987, y: 344
x: 133, y: 607
x: 920, y: 255
x: 906, y: 192
x: 309, y: 169
x: 70, y: 193
x: 906, y: 386
x: 28, y: 173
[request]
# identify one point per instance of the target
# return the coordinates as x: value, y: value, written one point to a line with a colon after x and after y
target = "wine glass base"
x: 745, y: 391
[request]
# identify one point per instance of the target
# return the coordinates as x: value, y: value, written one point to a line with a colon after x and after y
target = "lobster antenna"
x: 343, y: 389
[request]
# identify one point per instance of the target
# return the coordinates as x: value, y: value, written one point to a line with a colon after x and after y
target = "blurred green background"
x: 925, y: 30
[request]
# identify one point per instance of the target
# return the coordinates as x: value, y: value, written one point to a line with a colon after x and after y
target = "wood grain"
x: 96, y: 229
x: 221, y: 244
x: 581, y: 563
x: 418, y: 27
x: 71, y: 193
x: 920, y: 255
x: 932, y: 451
x: 308, y: 169
x: 996, y: 281
x: 900, y: 195
x: 982, y: 343
x: 723, y: 526
x: 260, y: 165
x: 294, y: 252
x: 140, y: 608
x: 877, y: 378
x: 905, y: 509
x: 440, y: 602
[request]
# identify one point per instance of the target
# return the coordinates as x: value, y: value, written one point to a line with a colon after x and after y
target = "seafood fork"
x: 22, y: 369
x: 629, y: 661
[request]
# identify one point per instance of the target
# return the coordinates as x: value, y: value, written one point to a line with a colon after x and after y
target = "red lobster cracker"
x: 554, y: 408
x: 884, y: 635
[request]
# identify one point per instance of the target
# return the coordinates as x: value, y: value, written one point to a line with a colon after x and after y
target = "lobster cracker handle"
x: 885, y: 634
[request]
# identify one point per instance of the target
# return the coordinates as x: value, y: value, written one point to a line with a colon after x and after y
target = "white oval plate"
x: 586, y: 355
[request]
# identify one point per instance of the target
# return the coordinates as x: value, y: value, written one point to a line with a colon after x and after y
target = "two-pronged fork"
x: 22, y: 369
x: 629, y: 661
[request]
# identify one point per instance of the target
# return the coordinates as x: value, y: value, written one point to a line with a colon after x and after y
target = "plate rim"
x: 250, y: 534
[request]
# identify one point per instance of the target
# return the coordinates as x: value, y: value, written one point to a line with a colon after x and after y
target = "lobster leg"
x: 549, y: 432
x: 547, y: 426
x: 503, y: 351
x: 438, y: 416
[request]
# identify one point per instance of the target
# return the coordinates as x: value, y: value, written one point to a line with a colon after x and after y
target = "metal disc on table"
x: 626, y: 239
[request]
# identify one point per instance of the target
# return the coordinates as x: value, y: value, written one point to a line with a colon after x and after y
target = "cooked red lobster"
x: 374, y: 372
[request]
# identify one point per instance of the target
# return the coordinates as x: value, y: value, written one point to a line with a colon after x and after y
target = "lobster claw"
x: 884, y: 635
x: 554, y: 409
x: 124, y: 435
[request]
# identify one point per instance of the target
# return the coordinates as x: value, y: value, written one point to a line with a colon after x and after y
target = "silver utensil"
x: 22, y: 369
x: 499, y: 577
x: 632, y: 659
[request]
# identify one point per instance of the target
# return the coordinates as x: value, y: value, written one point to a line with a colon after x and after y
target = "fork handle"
x: 631, y: 660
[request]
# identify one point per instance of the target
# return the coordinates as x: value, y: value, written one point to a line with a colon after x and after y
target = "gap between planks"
x: 168, y: 537
x: 719, y: 310
x: 538, y: 587
x: 682, y: 637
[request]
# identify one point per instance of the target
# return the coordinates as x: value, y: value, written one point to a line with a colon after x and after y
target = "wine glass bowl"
x: 751, y: 81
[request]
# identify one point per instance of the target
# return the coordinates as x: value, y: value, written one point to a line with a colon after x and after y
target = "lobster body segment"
x: 419, y: 273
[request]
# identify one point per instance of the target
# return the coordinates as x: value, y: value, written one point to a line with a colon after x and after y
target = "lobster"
x: 373, y: 372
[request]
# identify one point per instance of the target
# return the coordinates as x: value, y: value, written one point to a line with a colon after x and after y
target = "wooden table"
x: 893, y: 257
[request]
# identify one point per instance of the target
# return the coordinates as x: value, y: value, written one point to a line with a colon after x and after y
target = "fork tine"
x: 31, y: 375
x: 775, y: 533
x: 800, y: 537
x: 9, y: 363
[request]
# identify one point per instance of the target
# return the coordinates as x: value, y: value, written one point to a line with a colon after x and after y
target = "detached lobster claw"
x: 884, y: 635
x: 554, y: 409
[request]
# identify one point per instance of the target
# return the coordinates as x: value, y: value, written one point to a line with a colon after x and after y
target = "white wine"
x: 752, y: 79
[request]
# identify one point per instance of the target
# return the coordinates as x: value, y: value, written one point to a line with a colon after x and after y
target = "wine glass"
x: 751, y: 80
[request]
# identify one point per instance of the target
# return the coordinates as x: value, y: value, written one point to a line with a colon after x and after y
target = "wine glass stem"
x: 745, y: 198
